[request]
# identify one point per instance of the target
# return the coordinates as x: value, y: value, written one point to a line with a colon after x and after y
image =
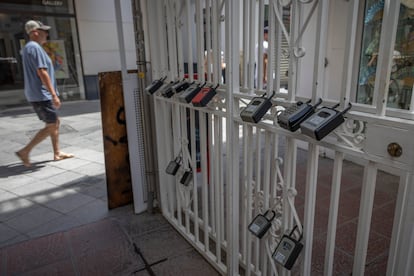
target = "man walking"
x: 41, y: 91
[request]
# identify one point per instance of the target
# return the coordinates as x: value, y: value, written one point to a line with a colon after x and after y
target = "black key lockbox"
x: 294, y: 115
x: 256, y: 109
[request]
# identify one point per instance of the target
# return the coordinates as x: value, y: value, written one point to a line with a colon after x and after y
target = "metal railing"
x: 240, y: 169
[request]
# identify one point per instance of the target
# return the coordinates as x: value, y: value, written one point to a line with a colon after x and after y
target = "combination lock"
x: 294, y: 115
x: 261, y: 223
x: 204, y: 96
x: 173, y: 166
x: 288, y: 250
x: 181, y: 86
x: 186, y: 178
x: 323, y: 122
x: 167, y: 91
x: 190, y: 93
x: 154, y: 86
x: 256, y: 109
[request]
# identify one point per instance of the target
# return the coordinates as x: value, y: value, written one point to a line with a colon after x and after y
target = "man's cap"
x: 266, y: 29
x: 32, y: 25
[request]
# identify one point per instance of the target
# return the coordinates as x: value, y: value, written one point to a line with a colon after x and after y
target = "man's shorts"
x: 45, y: 111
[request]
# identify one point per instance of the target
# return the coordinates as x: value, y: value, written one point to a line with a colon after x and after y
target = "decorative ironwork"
x: 352, y: 133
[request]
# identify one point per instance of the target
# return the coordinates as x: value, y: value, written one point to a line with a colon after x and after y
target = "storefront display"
x: 402, y: 71
x: 62, y: 47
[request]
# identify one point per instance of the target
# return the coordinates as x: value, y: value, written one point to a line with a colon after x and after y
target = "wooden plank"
x: 118, y: 174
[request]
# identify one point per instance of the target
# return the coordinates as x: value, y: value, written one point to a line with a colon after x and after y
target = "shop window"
x: 402, y: 71
x: 62, y: 47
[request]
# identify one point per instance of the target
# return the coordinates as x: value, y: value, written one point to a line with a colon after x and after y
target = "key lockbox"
x: 173, y: 166
x: 256, y: 109
x: 261, y: 223
x: 204, y: 96
x: 154, y: 86
x: 187, y: 95
x: 288, y: 250
x: 181, y: 86
x: 323, y: 122
x: 187, y: 178
x: 294, y: 115
x: 167, y: 91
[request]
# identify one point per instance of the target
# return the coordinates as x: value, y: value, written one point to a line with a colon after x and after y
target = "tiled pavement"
x: 54, y: 218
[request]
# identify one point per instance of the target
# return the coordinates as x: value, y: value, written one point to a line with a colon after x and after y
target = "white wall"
x: 98, y: 35
x: 335, y: 50
x: 338, y: 22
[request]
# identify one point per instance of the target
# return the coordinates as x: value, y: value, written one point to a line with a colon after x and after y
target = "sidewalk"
x: 66, y: 200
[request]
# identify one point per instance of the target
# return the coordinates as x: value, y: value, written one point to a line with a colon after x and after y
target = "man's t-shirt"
x: 35, y: 57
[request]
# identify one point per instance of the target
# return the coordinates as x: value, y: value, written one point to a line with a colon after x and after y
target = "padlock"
x: 261, y: 224
x: 186, y: 178
x: 288, y: 250
x: 173, y: 166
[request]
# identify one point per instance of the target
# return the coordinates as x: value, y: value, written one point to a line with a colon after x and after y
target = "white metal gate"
x: 243, y: 169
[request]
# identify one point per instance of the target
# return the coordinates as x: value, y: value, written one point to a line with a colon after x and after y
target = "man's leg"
x: 54, y: 136
x: 42, y: 134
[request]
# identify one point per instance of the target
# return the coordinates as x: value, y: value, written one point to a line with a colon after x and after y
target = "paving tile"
x: 383, y: 219
x: 51, y: 195
x: 342, y: 261
x: 190, y: 262
x: 13, y: 207
x: 69, y: 202
x: 14, y: 181
x: 15, y: 240
x: 2, y: 262
x: 61, y: 268
x: 92, y: 169
x: 59, y: 224
x: 33, y: 254
x: 35, y: 216
x: 349, y: 202
x: 377, y: 267
x: 137, y: 225
x: 90, y: 185
x: 5, y: 195
x: 166, y: 238
x: 91, y: 212
x: 37, y: 187
x: 96, y: 190
x: 382, y: 198
x: 86, y: 153
x: 6, y: 233
x: 70, y: 164
x: 113, y: 259
x: 94, y: 236
x: 64, y: 178
x: 346, y: 240
x: 46, y: 172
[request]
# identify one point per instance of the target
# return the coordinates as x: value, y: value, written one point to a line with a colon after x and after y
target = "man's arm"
x: 45, y: 78
x: 265, y: 68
